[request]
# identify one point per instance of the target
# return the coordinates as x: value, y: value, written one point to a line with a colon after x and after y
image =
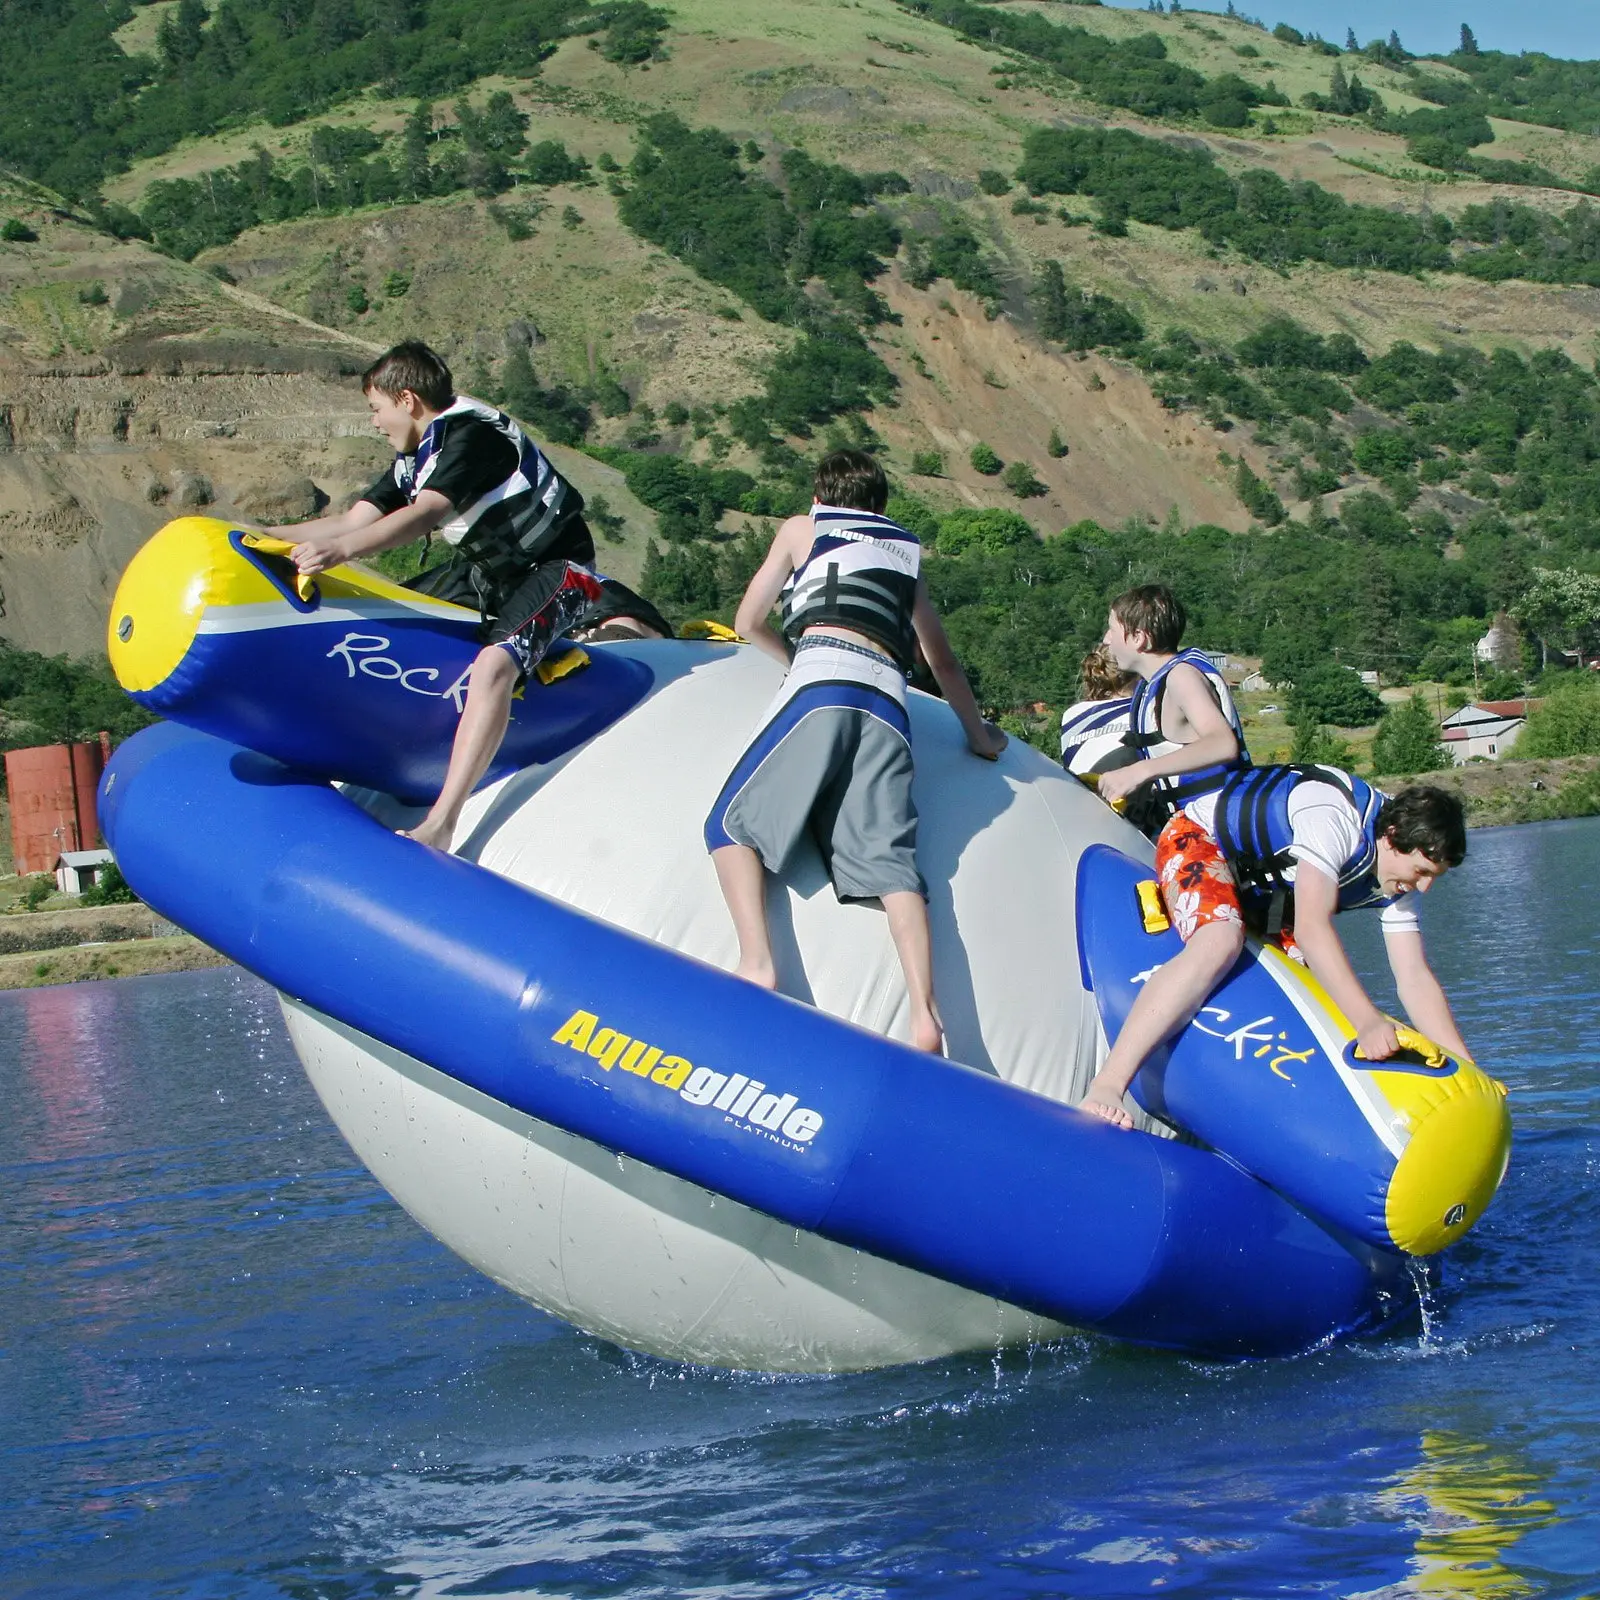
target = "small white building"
x: 1484, y: 730
x: 1501, y: 646
x: 76, y: 870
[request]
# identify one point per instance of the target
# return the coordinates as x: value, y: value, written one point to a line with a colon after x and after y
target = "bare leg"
x: 1169, y: 1000
x: 908, y: 927
x: 482, y: 727
x: 744, y: 887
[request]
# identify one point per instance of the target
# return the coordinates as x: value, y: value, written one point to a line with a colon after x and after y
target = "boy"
x: 833, y: 753
x: 1182, y: 719
x: 1282, y: 850
x: 468, y: 472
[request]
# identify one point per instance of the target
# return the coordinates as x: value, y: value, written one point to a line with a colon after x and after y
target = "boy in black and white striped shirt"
x: 523, y: 551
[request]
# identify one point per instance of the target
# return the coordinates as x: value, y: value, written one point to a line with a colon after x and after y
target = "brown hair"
x: 1101, y: 678
x: 1426, y: 818
x: 851, y: 478
x: 1156, y: 612
x: 412, y: 366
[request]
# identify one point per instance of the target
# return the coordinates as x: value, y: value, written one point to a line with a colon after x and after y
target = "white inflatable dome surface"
x: 615, y: 829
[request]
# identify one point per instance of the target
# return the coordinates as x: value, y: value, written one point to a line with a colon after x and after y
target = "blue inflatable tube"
x: 777, y: 1105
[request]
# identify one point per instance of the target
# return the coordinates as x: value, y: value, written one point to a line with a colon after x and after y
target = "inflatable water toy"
x: 533, y: 1043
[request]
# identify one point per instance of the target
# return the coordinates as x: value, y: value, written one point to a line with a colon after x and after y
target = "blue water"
x: 230, y: 1366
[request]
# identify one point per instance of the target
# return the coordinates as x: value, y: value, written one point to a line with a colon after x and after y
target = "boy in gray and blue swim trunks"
x: 832, y: 755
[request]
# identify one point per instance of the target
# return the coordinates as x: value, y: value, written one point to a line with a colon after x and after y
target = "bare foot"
x: 1105, y: 1101
x: 761, y: 973
x: 431, y: 831
x: 927, y: 1033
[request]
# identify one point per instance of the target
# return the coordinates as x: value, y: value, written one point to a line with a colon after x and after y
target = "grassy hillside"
x: 506, y: 222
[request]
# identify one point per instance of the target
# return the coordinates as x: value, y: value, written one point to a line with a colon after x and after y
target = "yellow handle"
x: 1119, y: 805
x: 304, y: 584
x: 705, y: 628
x: 1151, y: 911
x: 1433, y: 1055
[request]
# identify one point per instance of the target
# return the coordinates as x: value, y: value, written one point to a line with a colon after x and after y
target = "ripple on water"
x: 232, y: 1367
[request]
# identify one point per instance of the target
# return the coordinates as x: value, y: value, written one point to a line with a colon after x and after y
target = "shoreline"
x: 122, y: 958
x: 1498, y: 794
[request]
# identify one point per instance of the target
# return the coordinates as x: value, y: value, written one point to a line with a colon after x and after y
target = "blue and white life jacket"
x: 1163, y: 797
x: 1093, y: 730
x: 860, y: 573
x: 1252, y: 829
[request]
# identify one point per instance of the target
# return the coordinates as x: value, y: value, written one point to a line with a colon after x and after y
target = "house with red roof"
x: 1484, y: 730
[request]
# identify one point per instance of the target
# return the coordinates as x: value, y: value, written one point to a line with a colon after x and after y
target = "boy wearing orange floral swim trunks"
x: 1280, y: 851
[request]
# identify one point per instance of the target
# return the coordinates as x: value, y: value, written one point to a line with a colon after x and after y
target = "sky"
x: 1569, y: 28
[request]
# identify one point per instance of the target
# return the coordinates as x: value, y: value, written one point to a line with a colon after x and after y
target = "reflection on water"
x: 1470, y: 1503
x: 230, y: 1366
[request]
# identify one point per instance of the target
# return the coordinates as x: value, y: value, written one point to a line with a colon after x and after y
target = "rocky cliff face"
x: 133, y: 389
x: 91, y: 465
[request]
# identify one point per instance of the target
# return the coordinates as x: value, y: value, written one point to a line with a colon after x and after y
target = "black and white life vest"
x: 1252, y: 829
x: 860, y: 573
x: 1163, y: 797
x: 517, y: 524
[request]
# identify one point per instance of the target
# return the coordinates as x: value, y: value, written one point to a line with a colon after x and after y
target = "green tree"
x: 62, y: 701
x: 109, y: 889
x: 1050, y: 300
x: 633, y: 33
x: 1568, y: 722
x: 991, y: 531
x: 416, y: 173
x: 181, y: 34
x: 1332, y: 694
x: 1022, y: 481
x: 552, y: 413
x: 1562, y: 606
x: 1257, y: 496
x: 1408, y: 739
x: 984, y: 460
x: 1321, y: 746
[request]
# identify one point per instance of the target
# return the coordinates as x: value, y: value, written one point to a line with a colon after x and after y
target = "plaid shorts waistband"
x: 820, y: 641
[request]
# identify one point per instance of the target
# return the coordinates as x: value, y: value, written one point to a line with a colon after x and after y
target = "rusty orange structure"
x: 52, y: 789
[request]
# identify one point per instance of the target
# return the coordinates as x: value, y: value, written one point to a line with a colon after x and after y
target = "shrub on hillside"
x: 984, y: 460
x: 1257, y: 496
x: 991, y: 531
x: 1022, y: 481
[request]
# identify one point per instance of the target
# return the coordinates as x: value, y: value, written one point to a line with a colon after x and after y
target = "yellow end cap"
x: 165, y: 590
x: 1459, y: 1146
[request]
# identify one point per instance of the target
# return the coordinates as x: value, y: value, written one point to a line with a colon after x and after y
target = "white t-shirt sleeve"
x: 1400, y: 915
